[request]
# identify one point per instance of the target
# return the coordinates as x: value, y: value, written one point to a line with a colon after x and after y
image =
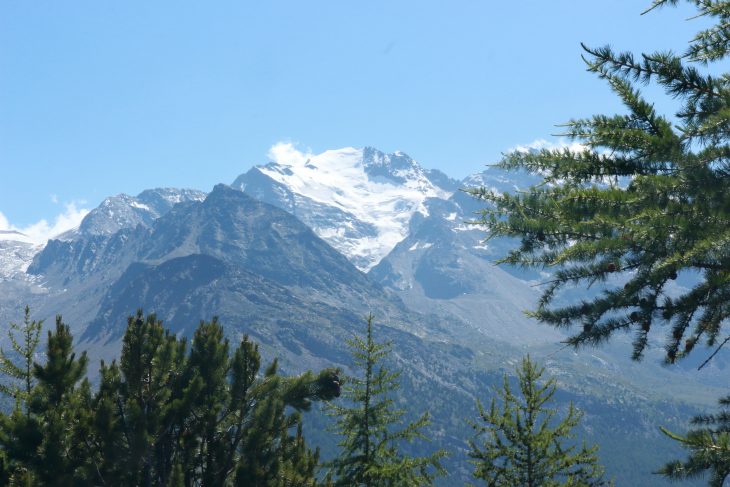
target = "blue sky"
x: 100, y: 98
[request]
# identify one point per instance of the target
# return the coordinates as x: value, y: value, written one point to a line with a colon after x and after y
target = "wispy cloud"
x: 287, y: 154
x: 40, y: 231
x: 4, y: 223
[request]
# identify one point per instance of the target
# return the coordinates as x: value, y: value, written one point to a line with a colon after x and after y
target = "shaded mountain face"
x: 240, y: 230
x: 228, y: 255
x: 70, y: 271
x: 445, y: 266
x: 123, y: 211
x: 358, y: 200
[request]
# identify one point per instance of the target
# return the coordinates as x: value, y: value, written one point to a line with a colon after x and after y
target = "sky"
x: 101, y: 98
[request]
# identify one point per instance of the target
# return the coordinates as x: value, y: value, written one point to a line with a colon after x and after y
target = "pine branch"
x: 712, y: 355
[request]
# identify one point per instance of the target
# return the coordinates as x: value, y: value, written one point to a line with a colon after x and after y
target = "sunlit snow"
x: 340, y: 178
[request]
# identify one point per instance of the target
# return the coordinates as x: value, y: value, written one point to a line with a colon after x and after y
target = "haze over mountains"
x: 295, y: 252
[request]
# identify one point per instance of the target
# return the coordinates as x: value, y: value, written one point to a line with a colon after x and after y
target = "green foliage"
x: 372, y: 427
x: 165, y: 415
x: 18, y: 367
x: 644, y: 202
x: 42, y: 446
x: 709, y: 447
x: 520, y: 442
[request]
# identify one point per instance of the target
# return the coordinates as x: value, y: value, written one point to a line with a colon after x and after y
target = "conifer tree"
x: 372, y: 427
x: 644, y: 203
x: 709, y: 446
x: 18, y: 366
x: 520, y: 442
x: 164, y: 415
x: 57, y: 402
x: 167, y: 415
x: 140, y: 407
x: 41, y: 445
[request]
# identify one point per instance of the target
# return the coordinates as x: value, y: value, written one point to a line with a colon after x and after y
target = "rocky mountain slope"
x: 255, y: 266
x: 123, y: 211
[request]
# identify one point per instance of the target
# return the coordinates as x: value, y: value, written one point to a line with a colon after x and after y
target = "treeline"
x: 173, y: 412
x: 168, y: 413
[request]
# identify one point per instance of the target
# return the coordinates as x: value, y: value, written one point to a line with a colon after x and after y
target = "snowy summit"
x: 358, y: 200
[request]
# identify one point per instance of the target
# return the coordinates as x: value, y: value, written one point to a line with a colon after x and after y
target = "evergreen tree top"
x: 521, y: 442
x: 643, y: 209
x: 372, y: 427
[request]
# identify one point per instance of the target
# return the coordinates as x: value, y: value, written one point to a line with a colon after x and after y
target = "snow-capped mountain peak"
x: 16, y: 252
x: 15, y: 236
x: 359, y: 200
x: 125, y: 211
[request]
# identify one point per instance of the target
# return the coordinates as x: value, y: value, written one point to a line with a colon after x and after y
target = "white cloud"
x: 54, y: 199
x: 42, y: 230
x: 4, y: 223
x: 287, y: 154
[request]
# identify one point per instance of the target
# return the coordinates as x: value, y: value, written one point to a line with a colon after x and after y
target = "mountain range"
x: 295, y: 252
